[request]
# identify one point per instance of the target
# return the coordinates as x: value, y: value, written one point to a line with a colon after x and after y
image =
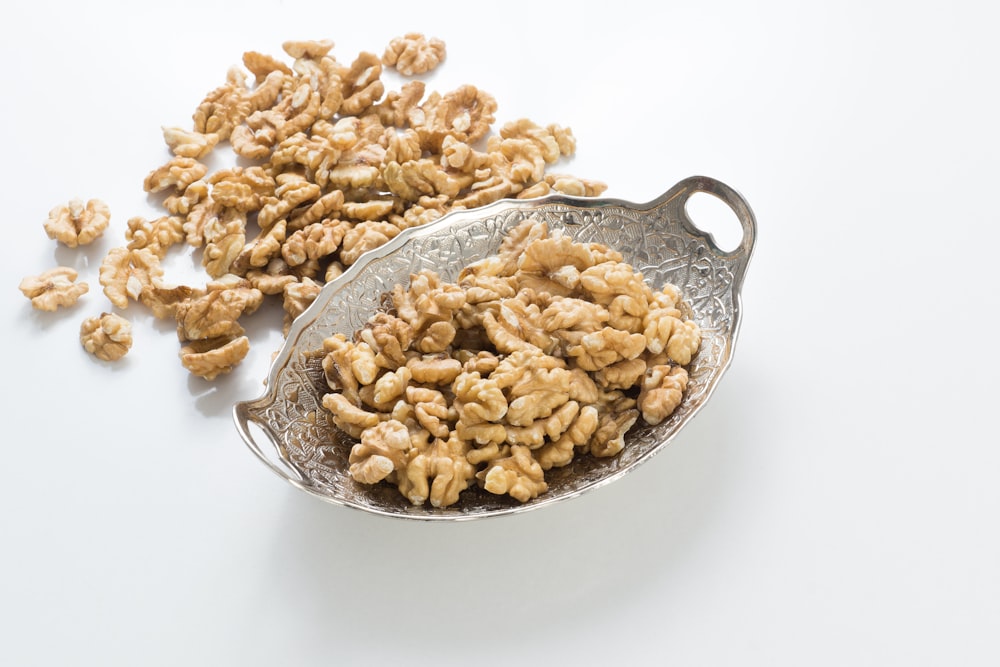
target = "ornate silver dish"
x: 286, y: 427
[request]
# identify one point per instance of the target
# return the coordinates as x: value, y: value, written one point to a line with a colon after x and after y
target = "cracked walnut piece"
x: 78, y: 223
x: 54, y: 288
x: 108, y: 337
x: 413, y: 53
x: 549, y: 350
x: 211, y: 357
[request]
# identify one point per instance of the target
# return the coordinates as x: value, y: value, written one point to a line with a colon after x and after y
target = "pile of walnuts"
x: 549, y: 349
x: 331, y: 165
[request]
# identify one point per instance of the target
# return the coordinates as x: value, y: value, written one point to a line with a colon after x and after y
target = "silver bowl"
x: 287, y: 429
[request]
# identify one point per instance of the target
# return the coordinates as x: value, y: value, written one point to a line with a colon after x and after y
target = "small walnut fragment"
x: 383, y: 450
x: 78, y: 223
x: 413, y: 53
x: 212, y: 357
x: 127, y: 273
x: 216, y: 312
x: 662, y: 390
x: 549, y: 350
x: 186, y: 143
x: 518, y: 475
x: 176, y: 174
x: 53, y: 289
x: 157, y: 235
x: 107, y: 337
x: 298, y: 296
x: 225, y: 107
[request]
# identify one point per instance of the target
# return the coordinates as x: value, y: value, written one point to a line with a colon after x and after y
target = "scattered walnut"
x: 156, y: 235
x: 212, y: 357
x: 331, y: 165
x: 78, y: 223
x: 307, y: 48
x: 178, y: 174
x: 225, y: 237
x: 298, y: 295
x: 187, y: 143
x: 225, y: 107
x: 414, y: 54
x: 53, y: 289
x: 216, y: 312
x: 108, y: 337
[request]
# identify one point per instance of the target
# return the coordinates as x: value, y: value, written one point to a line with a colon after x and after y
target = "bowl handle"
x: 678, y: 196
x: 244, y: 414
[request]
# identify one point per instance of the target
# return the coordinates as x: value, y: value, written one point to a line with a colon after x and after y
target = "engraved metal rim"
x: 245, y: 412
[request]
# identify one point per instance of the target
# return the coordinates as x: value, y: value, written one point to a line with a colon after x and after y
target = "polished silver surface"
x: 286, y: 427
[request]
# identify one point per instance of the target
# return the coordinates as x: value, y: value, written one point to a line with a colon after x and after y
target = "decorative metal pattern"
x: 288, y: 430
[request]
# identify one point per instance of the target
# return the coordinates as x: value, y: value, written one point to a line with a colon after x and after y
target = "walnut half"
x: 54, y: 288
x: 78, y: 223
x: 108, y: 337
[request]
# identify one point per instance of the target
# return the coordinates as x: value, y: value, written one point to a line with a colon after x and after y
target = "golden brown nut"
x: 298, y: 295
x: 156, y: 235
x: 413, y: 53
x: 622, y: 374
x: 517, y: 474
x: 107, y: 337
x: 390, y: 386
x: 116, y: 277
x: 414, y: 179
x: 216, y: 312
x: 560, y: 451
x: 263, y: 249
x: 662, y: 390
x: 307, y: 48
x: 178, y: 174
x: 225, y: 107
x: 465, y: 113
x: 535, y: 434
x: 383, y: 450
x: 245, y: 189
x: 211, y: 357
x: 609, y: 438
x: 187, y: 143
x: 438, y: 473
x: 390, y: 337
x: 262, y: 64
x: 605, y: 347
x: 292, y: 190
x: 183, y: 203
x: 430, y: 408
x: 225, y: 238
x: 77, y: 223
x: 437, y: 369
x: 315, y: 241
x: 574, y: 186
x: 53, y: 289
x: 361, y: 86
x: 348, y: 416
x: 685, y: 339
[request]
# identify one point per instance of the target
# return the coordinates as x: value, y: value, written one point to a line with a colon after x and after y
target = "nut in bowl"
x: 300, y: 427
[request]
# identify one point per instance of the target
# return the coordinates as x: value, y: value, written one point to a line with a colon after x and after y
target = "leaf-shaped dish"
x: 286, y: 429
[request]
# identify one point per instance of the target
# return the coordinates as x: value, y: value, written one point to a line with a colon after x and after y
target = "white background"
x: 837, y: 502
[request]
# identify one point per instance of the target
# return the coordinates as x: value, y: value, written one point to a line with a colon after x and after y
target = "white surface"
x: 837, y: 502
